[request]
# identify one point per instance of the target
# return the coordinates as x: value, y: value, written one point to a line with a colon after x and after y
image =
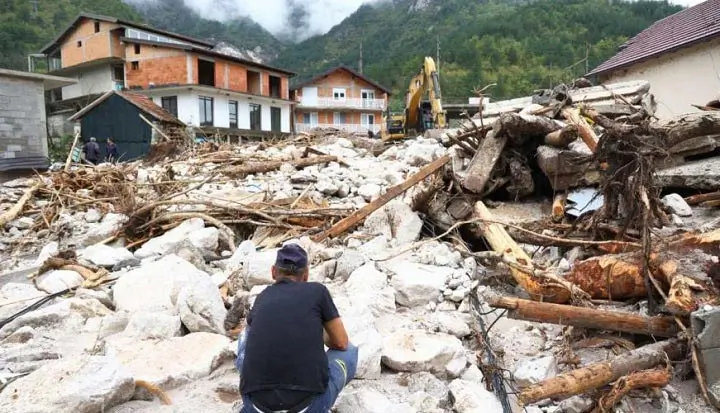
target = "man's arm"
x: 335, y: 335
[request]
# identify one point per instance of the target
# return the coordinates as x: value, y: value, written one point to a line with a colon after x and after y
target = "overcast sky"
x: 309, y: 16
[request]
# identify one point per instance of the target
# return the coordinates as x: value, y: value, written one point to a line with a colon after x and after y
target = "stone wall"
x: 23, y: 130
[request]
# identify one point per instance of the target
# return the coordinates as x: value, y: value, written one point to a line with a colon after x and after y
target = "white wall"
x: 687, y: 76
x: 92, y: 80
x: 189, y: 108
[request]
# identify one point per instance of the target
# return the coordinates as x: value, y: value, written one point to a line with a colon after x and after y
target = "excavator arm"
x: 426, y: 81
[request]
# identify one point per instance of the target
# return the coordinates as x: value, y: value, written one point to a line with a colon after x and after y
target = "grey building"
x: 23, y: 125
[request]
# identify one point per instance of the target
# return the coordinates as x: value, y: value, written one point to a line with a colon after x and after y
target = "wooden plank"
x: 661, y: 326
x: 347, y: 223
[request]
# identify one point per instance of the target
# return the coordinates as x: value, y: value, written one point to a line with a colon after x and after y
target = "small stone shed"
x: 23, y: 125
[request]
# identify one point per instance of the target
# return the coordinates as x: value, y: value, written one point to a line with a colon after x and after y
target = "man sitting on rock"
x: 281, y: 358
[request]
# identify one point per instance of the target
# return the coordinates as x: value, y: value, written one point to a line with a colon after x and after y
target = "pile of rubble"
x: 118, y: 278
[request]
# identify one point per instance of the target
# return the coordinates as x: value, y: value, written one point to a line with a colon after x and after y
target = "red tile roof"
x: 682, y: 29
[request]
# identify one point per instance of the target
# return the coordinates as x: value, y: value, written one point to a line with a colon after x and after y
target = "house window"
x: 275, y: 119
x: 233, y: 109
x: 310, y: 118
x: 169, y: 103
x: 339, y: 118
x: 206, y: 72
x: 255, y: 117
x: 97, y: 27
x: 135, y: 65
x: 137, y: 48
x: 367, y: 119
x: 206, y: 111
x: 338, y: 93
x: 79, y: 43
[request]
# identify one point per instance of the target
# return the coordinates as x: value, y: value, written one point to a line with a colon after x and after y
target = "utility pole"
x: 437, y: 54
x: 360, y: 63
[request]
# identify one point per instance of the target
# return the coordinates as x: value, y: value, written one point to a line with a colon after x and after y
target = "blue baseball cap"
x: 291, y: 258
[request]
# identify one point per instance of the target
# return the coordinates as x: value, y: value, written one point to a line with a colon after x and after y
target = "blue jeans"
x: 342, y: 367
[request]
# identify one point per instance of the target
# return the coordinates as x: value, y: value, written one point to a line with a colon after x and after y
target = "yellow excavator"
x: 419, y: 115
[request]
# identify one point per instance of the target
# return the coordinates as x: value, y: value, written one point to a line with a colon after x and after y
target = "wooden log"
x: 310, y: 150
x: 585, y: 131
x: 711, y: 204
x: 561, y: 138
x: 16, y: 209
x: 500, y: 241
x: 600, y: 374
x: 655, y: 378
x: 261, y: 167
x: 700, y: 198
x: 349, y: 222
x: 662, y: 326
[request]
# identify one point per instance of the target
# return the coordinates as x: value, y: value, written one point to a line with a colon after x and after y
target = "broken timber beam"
x: 482, y: 164
x: 347, y: 223
x: 261, y: 167
x: 655, y: 378
x: 662, y: 326
x: 600, y: 374
x: 538, y: 287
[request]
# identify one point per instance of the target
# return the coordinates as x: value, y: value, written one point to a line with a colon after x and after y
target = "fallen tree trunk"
x: 539, y: 288
x: 610, y: 277
x: 655, y: 378
x: 261, y: 167
x: 16, y: 209
x: 661, y: 326
x: 359, y: 215
x: 601, y: 374
x: 687, y: 126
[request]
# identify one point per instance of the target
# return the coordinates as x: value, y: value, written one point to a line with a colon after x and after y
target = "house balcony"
x: 331, y: 103
x: 345, y: 127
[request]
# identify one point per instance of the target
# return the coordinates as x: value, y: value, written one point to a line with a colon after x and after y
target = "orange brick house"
x: 214, y: 91
x: 340, y: 98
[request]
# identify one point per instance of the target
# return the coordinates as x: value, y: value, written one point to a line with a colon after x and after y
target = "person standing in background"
x: 111, y: 151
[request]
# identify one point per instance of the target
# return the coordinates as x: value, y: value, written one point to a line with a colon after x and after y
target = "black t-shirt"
x: 285, y: 361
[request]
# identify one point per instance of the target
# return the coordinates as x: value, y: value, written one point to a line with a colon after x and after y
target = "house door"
x: 310, y: 96
x: 275, y: 119
x: 368, y: 96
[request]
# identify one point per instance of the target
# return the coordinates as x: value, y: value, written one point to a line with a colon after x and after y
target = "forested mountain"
x: 521, y: 46
x: 26, y: 26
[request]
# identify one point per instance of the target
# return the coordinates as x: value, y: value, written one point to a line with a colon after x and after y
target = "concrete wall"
x: 189, y: 108
x: 687, y: 76
x: 23, y: 130
x: 92, y: 80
